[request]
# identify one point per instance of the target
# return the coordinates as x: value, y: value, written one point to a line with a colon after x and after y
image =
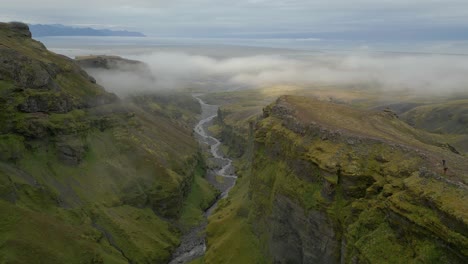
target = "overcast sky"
x: 338, y: 19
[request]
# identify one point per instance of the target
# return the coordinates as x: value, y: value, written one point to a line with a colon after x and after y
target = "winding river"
x: 193, y: 244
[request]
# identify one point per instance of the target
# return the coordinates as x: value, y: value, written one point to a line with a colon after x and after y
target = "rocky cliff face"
x: 326, y: 183
x: 29, y: 65
x: 331, y: 184
x: 109, y: 62
x: 301, y: 237
x: 84, y: 176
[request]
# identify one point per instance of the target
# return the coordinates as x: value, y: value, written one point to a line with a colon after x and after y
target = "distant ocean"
x: 217, y: 47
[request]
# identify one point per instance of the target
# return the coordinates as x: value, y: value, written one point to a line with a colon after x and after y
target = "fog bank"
x: 173, y: 70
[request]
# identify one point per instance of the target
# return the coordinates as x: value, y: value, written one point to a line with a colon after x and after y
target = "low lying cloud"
x: 172, y: 70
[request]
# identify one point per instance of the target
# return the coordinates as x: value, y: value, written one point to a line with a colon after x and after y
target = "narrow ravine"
x: 193, y: 244
x: 111, y: 240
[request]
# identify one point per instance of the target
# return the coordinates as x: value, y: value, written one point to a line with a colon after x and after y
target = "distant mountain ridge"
x: 41, y: 30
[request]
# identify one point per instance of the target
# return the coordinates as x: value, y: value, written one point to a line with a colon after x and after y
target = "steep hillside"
x: 85, y: 177
x: 444, y: 118
x: 435, y: 113
x: 330, y: 184
x: 440, y: 117
x: 111, y: 63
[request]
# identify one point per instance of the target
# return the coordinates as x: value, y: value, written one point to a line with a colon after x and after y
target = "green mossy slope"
x: 449, y: 117
x: 230, y: 233
x: 374, y: 191
x: 331, y: 184
x: 86, y: 177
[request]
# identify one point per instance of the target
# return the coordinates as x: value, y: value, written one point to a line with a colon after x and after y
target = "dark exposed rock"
x: 95, y: 64
x: 103, y: 123
x: 381, y: 159
x: 20, y: 28
x: 388, y: 112
x: 191, y: 247
x: 33, y: 126
x: 27, y: 72
x: 299, y: 237
x: 107, y: 62
x: 47, y: 103
x: 355, y: 186
x: 91, y: 79
x: 280, y: 108
x: 71, y: 153
x: 451, y: 148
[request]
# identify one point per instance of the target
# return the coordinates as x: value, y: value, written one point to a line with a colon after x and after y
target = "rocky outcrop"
x: 39, y: 84
x: 43, y: 79
x: 47, y: 103
x: 96, y: 63
x: 19, y: 28
x: 71, y: 151
x: 107, y: 62
x: 230, y: 137
x: 104, y: 68
x: 26, y: 72
x: 301, y: 237
x: 325, y: 193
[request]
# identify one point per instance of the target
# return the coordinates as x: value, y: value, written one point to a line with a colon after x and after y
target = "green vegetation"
x: 49, y: 239
x: 354, y: 175
x: 197, y: 261
x: 11, y: 147
x: 447, y: 117
x: 87, y: 178
x: 229, y: 234
x: 200, y: 198
x: 129, y: 228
